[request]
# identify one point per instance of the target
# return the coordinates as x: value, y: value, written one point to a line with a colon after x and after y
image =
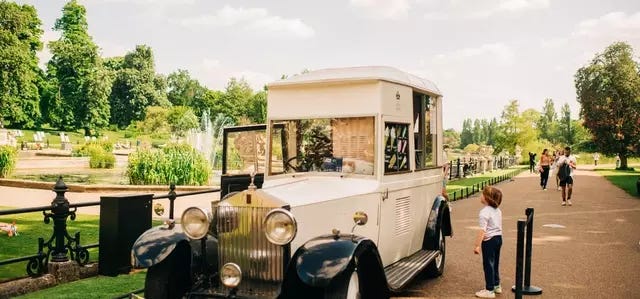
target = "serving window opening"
x: 344, y: 145
x: 424, y: 130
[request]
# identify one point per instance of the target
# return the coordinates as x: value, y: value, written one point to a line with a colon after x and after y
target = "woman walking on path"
x: 490, y: 241
x: 545, y: 162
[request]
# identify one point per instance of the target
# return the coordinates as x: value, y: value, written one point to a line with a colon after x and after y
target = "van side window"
x: 396, y: 147
x: 424, y: 129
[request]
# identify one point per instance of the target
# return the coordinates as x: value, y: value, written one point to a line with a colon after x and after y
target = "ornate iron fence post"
x: 60, y: 212
x: 172, y: 198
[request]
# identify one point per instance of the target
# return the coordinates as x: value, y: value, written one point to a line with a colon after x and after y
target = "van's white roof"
x: 384, y: 73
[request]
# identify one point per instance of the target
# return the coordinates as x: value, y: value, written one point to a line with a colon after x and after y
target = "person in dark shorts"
x: 566, y: 165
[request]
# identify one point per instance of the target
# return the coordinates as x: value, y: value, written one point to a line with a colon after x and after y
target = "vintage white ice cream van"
x: 345, y: 201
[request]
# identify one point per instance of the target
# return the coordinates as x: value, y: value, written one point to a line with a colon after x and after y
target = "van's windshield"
x: 324, y: 145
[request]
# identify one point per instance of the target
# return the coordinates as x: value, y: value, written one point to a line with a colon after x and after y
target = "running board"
x: 402, y: 271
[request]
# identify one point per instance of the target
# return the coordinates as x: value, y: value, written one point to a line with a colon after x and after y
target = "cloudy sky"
x: 480, y: 53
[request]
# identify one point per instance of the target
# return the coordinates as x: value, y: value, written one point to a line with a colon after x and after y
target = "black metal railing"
x: 477, y: 187
x: 60, y: 243
x: 523, y: 258
x: 463, y: 167
x: 61, y: 246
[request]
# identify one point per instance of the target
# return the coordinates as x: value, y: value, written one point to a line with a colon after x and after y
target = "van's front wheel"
x: 348, y: 288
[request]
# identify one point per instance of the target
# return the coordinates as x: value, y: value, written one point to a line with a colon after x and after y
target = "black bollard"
x: 524, y: 249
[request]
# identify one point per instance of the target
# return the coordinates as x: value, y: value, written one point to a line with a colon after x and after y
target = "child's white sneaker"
x: 497, y: 289
x: 485, y: 294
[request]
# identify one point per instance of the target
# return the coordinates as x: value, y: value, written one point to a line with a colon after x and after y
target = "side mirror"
x: 360, y: 218
x: 158, y: 209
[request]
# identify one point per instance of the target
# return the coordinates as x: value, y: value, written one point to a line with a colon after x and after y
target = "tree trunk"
x: 623, y: 162
x: 87, y: 131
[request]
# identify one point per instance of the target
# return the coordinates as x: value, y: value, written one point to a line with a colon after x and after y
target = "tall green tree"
x: 76, y: 72
x: 20, y: 34
x: 608, y: 91
x: 466, y: 136
x: 566, y: 131
x: 186, y: 91
x: 492, y: 132
x: 452, y: 138
x: 478, y: 134
x: 547, y: 120
x: 235, y: 100
x: 515, y: 128
x: 136, y: 86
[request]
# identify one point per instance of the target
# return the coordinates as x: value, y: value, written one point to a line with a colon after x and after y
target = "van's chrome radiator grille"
x: 241, y: 240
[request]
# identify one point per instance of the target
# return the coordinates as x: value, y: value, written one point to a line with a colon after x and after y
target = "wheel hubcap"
x: 353, y: 292
x: 440, y: 249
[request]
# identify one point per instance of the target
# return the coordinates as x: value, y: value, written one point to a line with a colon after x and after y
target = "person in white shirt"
x: 489, y: 240
x: 566, y: 165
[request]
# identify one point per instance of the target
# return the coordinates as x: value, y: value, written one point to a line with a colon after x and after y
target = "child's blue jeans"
x: 491, y: 261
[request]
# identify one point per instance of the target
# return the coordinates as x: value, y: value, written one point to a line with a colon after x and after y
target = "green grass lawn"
x: 624, y: 179
x: 93, y: 287
x: 461, y: 184
x: 31, y: 226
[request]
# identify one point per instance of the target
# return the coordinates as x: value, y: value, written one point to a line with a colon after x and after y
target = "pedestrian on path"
x: 566, y: 165
x: 596, y: 157
x: 532, y: 162
x: 489, y: 240
x: 545, y: 162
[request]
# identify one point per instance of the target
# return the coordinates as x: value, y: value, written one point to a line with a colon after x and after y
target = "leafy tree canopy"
x: 20, y: 34
x: 608, y: 90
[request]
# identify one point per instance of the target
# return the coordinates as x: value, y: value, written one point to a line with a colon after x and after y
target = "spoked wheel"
x: 348, y: 288
x: 436, y: 268
x: 353, y: 290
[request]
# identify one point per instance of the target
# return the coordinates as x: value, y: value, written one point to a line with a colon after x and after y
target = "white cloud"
x: 465, y: 9
x: 509, y: 7
x: 252, y: 19
x: 612, y: 25
x: 499, y: 53
x: 383, y: 9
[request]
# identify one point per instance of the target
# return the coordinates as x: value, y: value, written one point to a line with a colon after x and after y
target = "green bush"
x: 99, y: 157
x: 8, y: 155
x: 175, y: 163
x: 85, y: 150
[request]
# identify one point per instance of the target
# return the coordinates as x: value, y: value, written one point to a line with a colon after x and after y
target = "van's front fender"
x: 156, y: 244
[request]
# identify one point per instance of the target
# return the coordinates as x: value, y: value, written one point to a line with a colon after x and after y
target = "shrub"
x: 100, y: 158
x: 85, y: 150
x: 175, y: 163
x: 8, y: 155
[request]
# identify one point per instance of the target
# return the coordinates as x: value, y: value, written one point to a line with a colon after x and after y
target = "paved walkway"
x: 588, y: 250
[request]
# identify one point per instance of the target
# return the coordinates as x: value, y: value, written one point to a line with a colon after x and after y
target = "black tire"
x: 346, y: 286
x: 170, y: 278
x: 436, y: 268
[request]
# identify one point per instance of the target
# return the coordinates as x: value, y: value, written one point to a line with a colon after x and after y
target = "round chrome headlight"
x: 195, y: 222
x: 230, y: 275
x: 280, y: 227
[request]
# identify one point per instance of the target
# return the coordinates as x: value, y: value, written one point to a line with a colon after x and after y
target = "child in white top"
x: 489, y: 240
